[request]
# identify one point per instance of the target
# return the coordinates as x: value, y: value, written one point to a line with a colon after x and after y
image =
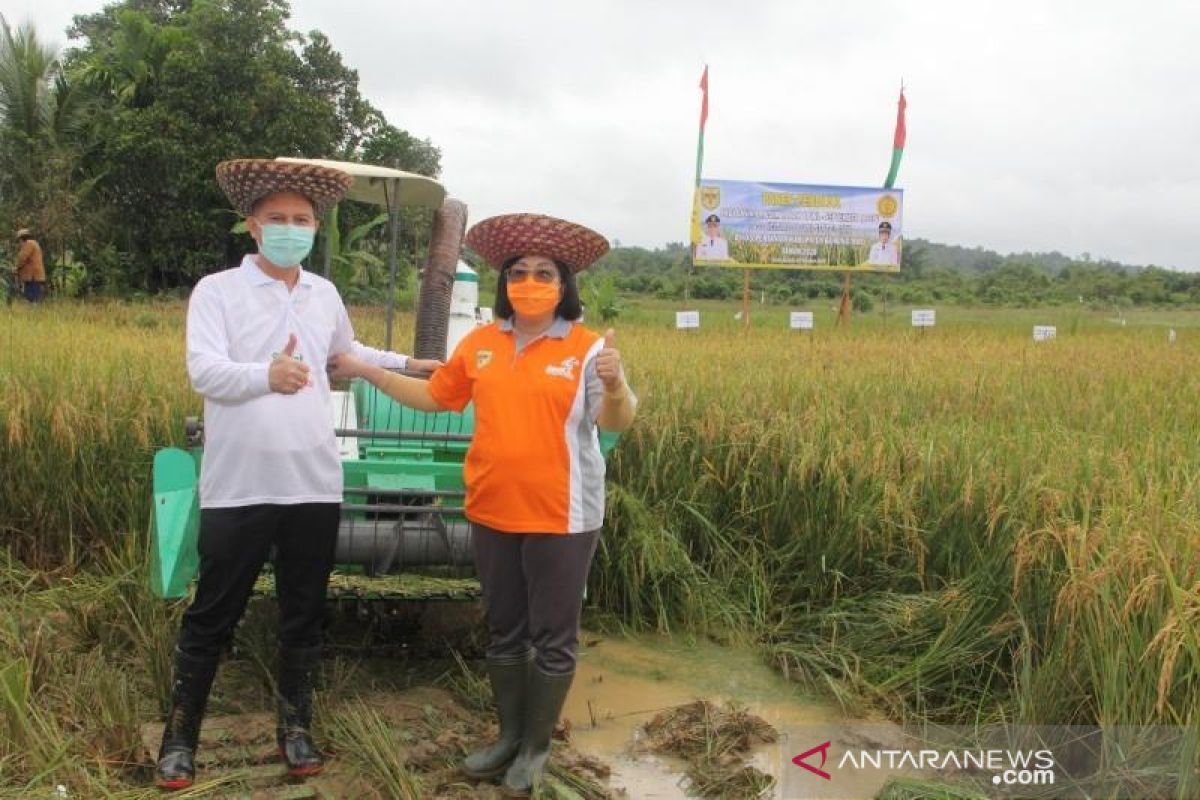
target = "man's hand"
x: 343, y: 367
x: 608, y: 364
x: 287, y: 375
x: 425, y: 365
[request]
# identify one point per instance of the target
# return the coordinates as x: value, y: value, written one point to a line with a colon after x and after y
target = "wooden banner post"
x: 745, y: 300
x: 843, y: 317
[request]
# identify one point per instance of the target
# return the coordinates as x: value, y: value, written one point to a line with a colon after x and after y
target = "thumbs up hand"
x: 287, y: 374
x: 608, y: 363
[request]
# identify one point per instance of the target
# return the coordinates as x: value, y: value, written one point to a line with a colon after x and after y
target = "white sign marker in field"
x: 1171, y: 336
x: 1043, y: 332
x: 685, y: 320
x: 924, y: 318
x: 801, y: 320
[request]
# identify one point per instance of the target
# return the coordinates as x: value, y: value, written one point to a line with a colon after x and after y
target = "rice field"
x: 959, y: 525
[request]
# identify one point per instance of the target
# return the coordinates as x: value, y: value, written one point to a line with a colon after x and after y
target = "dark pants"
x: 234, y: 544
x: 533, y: 592
x: 33, y: 291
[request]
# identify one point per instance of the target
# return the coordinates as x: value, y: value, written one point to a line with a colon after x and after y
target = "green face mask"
x: 286, y: 245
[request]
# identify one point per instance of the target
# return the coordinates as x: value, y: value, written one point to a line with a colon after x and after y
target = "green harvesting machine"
x: 402, y: 533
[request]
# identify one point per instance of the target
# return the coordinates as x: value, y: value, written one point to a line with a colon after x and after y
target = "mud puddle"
x: 622, y: 683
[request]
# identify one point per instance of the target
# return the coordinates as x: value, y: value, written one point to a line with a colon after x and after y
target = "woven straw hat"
x: 245, y: 181
x: 499, y: 239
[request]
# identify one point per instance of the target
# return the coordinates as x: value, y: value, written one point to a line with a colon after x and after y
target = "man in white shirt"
x: 713, y: 247
x: 391, y: 360
x: 258, y: 338
x: 884, y: 252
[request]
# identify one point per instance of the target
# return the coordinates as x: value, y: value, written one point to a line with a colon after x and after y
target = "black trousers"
x: 533, y: 592
x: 234, y: 543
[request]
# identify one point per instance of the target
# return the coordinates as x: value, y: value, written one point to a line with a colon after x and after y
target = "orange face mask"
x: 532, y: 299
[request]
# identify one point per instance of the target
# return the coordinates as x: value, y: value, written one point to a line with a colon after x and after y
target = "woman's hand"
x: 617, y: 407
x: 343, y: 367
x: 608, y: 363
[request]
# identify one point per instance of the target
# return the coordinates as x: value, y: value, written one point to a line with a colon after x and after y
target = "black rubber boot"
x: 510, y: 680
x: 189, y: 695
x: 546, y: 694
x: 297, y: 676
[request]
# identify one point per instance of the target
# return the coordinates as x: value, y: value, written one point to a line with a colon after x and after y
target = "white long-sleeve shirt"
x: 884, y: 253
x: 712, y: 249
x: 262, y: 446
x: 379, y: 358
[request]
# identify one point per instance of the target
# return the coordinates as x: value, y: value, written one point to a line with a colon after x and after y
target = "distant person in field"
x: 541, y: 385
x: 884, y: 253
x: 31, y: 271
x: 713, y: 246
x: 259, y: 336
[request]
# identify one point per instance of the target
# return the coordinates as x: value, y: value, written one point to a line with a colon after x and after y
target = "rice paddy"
x: 959, y: 526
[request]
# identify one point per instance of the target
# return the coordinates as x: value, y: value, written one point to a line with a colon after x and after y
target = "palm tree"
x: 28, y: 71
x: 41, y: 115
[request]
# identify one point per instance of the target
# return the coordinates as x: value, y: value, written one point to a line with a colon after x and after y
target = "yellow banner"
x: 795, y: 226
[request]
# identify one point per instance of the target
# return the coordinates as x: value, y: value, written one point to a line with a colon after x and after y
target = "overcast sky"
x: 1032, y: 125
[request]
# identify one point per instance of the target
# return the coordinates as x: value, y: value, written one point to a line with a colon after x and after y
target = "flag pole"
x: 898, y: 141
x: 694, y: 235
x: 703, y: 120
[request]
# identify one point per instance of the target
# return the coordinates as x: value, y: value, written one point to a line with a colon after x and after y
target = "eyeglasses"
x: 541, y: 274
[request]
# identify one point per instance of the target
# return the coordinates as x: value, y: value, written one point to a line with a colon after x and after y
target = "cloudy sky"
x: 1032, y: 125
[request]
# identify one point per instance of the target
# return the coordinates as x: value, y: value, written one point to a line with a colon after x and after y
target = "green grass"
x: 369, y: 742
x: 960, y: 525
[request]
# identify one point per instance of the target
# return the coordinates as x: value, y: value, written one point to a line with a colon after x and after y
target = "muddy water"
x: 622, y: 683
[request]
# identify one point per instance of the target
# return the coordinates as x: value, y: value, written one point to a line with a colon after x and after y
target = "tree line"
x: 930, y: 273
x: 107, y: 148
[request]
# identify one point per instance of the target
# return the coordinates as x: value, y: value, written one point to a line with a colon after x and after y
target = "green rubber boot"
x: 547, y: 693
x: 510, y: 681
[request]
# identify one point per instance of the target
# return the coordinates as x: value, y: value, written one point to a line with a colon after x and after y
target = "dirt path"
x: 430, y: 729
x: 397, y: 727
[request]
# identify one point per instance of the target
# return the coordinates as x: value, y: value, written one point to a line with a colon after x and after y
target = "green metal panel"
x: 414, y: 464
x: 400, y: 480
x: 174, y: 559
x: 379, y: 412
x: 385, y: 451
x: 359, y: 474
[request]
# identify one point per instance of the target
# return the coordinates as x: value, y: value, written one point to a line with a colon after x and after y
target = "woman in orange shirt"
x: 542, y: 384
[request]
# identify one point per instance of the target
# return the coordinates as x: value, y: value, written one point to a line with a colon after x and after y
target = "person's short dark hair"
x: 712, y: 218
x: 569, y: 307
x: 885, y: 226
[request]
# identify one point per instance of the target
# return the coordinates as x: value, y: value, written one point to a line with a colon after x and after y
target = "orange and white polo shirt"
x: 534, y: 464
